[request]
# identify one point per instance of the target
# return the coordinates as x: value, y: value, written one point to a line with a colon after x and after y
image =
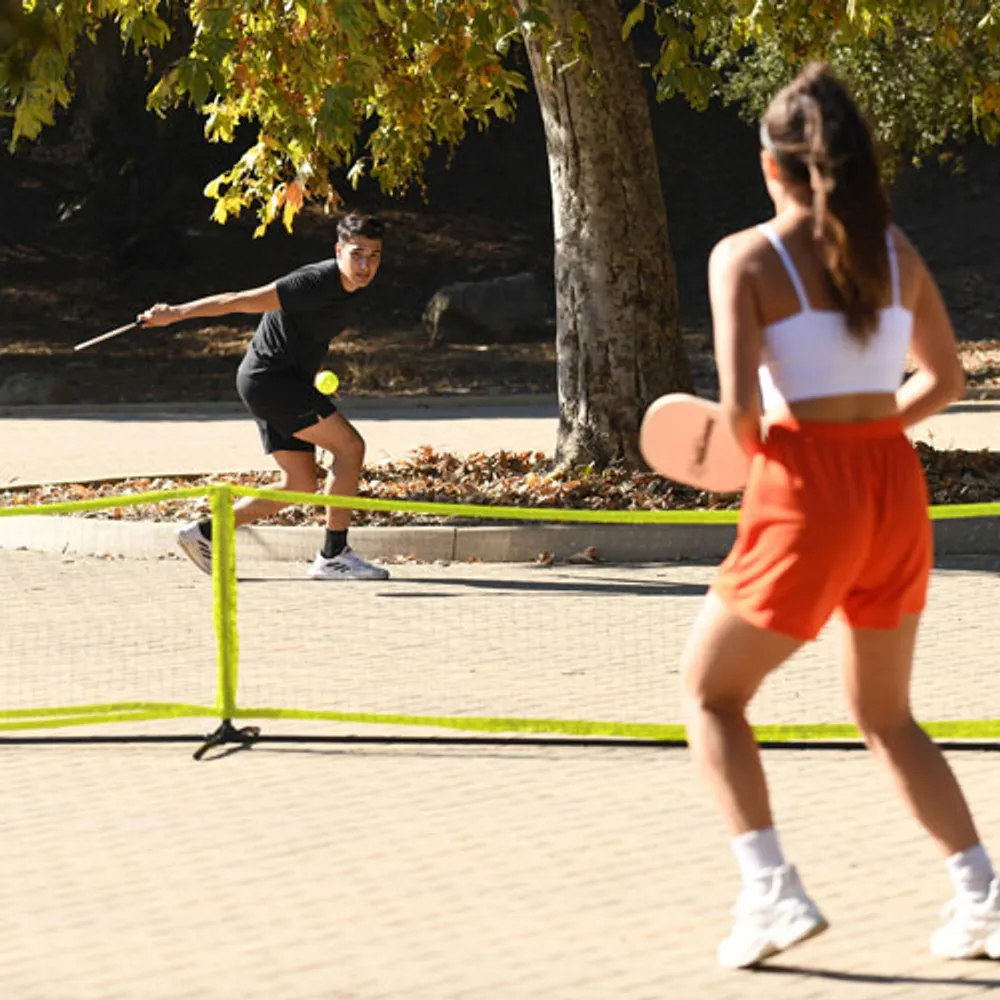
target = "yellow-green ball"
x: 327, y: 382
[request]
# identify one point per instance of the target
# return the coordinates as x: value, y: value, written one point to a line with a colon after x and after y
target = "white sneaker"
x: 346, y: 566
x: 196, y: 547
x: 971, y: 929
x: 769, y: 921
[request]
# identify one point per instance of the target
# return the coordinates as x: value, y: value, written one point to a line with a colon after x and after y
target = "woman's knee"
x: 881, y: 725
x: 699, y: 698
x: 726, y: 659
x: 711, y: 684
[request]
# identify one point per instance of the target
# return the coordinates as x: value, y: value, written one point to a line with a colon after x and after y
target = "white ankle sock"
x: 758, y: 853
x: 971, y: 872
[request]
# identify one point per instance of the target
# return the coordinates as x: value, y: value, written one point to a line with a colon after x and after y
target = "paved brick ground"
x: 328, y: 872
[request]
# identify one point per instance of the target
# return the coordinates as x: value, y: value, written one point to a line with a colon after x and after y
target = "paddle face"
x: 686, y: 439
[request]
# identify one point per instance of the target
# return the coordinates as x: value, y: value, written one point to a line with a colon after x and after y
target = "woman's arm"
x: 939, y: 378
x: 738, y: 336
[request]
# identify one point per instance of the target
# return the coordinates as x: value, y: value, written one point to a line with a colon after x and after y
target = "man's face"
x: 358, y: 260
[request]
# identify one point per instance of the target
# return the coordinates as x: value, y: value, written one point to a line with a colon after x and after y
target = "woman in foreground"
x: 814, y: 315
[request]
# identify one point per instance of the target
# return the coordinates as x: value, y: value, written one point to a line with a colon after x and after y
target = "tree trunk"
x: 618, y: 337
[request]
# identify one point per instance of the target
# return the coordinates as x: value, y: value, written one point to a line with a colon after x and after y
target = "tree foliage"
x: 331, y: 88
x: 357, y: 87
x: 927, y: 72
x: 38, y: 43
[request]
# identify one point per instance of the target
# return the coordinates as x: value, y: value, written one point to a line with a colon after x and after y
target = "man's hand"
x: 159, y: 315
x: 252, y: 300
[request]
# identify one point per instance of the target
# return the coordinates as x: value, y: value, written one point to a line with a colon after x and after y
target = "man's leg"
x: 337, y: 435
x: 336, y: 560
x: 298, y: 475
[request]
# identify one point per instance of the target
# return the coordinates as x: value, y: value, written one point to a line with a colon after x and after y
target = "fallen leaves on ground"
x: 502, y: 479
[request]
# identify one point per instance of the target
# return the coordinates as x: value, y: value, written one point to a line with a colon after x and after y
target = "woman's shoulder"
x: 904, y: 246
x: 912, y: 266
x: 745, y: 251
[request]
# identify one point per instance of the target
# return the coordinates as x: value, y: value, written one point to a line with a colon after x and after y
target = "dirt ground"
x: 486, y: 215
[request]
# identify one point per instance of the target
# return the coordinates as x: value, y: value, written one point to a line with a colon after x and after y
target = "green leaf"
x: 635, y: 17
x: 477, y: 56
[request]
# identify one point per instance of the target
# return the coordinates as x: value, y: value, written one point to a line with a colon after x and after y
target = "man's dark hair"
x: 356, y: 224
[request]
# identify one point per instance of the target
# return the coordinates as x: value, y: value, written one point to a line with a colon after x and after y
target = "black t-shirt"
x: 314, y: 306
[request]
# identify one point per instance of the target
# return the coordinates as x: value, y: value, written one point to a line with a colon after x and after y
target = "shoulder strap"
x: 890, y: 244
x: 800, y: 290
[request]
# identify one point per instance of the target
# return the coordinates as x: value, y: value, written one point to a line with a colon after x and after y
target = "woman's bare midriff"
x: 849, y: 409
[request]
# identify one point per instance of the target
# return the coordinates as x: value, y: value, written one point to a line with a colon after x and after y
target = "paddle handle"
x: 107, y: 336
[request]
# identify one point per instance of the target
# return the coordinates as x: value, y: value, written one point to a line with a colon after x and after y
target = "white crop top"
x: 812, y: 354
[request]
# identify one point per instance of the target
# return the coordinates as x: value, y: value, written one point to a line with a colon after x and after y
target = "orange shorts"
x: 834, y: 518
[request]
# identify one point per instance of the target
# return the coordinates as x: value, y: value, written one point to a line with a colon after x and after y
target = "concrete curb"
x: 523, y: 543
x: 706, y: 543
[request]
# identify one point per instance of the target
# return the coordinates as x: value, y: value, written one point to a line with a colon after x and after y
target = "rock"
x: 29, y: 389
x: 498, y: 311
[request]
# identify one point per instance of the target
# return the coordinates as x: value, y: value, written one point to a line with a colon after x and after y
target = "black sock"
x: 334, y: 543
x: 205, y: 527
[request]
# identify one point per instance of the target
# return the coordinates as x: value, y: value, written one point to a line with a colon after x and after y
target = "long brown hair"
x: 820, y: 138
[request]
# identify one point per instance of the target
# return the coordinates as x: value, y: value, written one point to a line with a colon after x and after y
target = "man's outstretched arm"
x: 252, y: 300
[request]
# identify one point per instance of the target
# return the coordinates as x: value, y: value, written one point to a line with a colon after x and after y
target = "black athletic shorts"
x: 282, y: 403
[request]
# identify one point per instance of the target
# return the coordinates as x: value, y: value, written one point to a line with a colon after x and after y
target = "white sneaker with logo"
x: 196, y: 546
x: 971, y: 929
x: 769, y: 919
x: 348, y: 565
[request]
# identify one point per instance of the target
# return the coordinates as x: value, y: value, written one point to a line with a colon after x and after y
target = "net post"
x: 224, y: 598
x: 224, y: 614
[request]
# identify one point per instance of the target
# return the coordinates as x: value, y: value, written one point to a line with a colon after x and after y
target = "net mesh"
x: 466, y: 640
x: 564, y: 648
x: 586, y: 643
x: 89, y: 634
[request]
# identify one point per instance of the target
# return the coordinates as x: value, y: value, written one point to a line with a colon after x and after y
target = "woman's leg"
x: 725, y: 661
x: 724, y: 664
x: 878, y: 665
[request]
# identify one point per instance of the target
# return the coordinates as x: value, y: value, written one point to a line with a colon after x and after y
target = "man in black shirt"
x: 301, y: 313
